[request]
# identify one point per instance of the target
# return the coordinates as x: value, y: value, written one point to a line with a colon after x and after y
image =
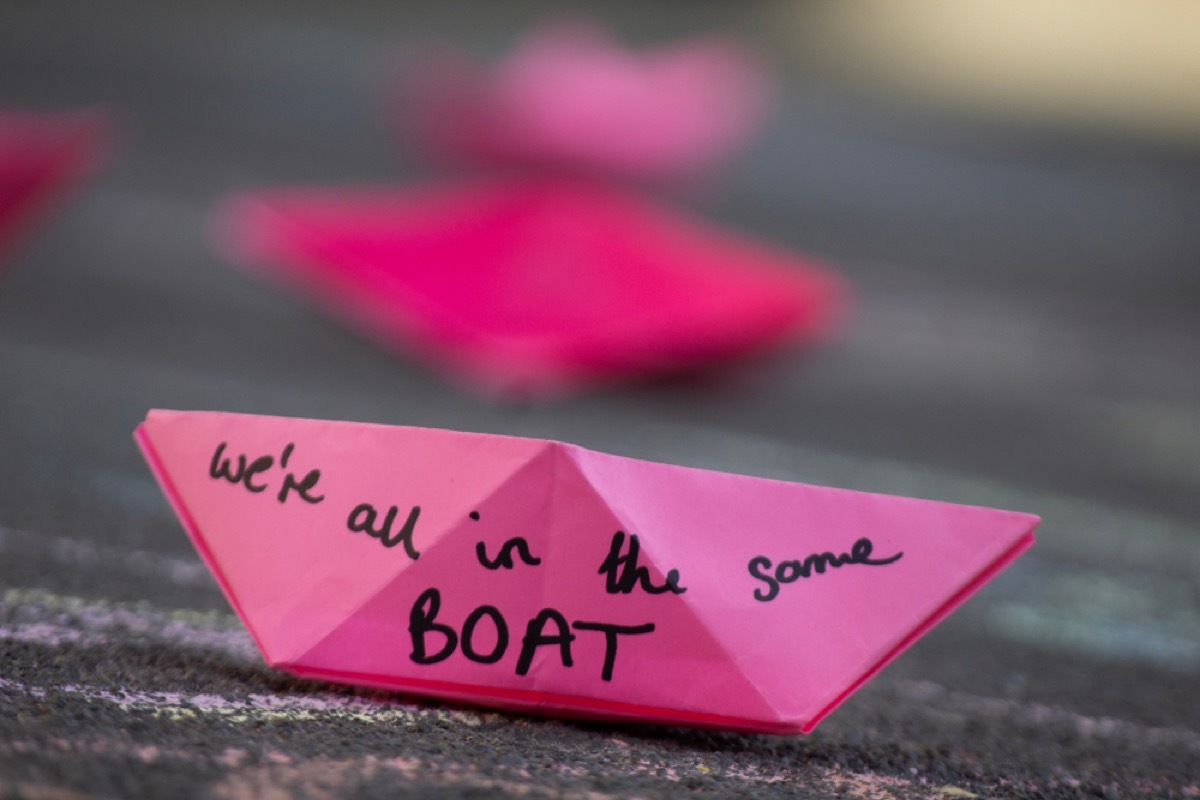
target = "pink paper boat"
x: 568, y: 96
x: 41, y: 155
x: 532, y: 287
x: 539, y: 576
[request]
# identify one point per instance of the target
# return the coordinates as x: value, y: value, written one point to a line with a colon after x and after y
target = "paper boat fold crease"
x: 540, y: 576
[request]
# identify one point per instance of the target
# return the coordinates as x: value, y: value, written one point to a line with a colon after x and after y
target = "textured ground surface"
x: 1027, y: 337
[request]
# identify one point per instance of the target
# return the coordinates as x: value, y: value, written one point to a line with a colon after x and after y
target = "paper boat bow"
x: 540, y: 576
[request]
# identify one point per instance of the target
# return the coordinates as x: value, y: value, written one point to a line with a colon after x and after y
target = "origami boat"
x: 570, y: 97
x: 532, y: 287
x: 543, y: 577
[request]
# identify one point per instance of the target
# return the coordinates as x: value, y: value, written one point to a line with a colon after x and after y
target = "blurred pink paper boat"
x: 533, y: 287
x: 543, y: 577
x: 569, y: 97
x: 41, y: 156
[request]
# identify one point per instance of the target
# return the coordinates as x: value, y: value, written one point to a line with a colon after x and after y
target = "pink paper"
x: 41, y: 155
x: 532, y: 287
x: 568, y: 96
x: 504, y: 572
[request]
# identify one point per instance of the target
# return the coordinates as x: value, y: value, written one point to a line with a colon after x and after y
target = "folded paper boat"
x: 568, y: 96
x: 540, y: 576
x: 532, y: 287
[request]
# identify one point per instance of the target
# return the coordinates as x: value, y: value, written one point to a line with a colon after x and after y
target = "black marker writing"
x: 791, y: 571
x: 421, y: 622
x: 535, y: 637
x: 301, y: 487
x: 505, y: 559
x: 622, y: 573
x: 549, y: 628
x: 468, y: 633
x: 610, y: 640
x: 246, y: 472
x: 362, y: 520
x: 243, y: 474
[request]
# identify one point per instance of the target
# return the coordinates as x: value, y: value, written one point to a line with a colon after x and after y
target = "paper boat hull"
x: 538, y: 576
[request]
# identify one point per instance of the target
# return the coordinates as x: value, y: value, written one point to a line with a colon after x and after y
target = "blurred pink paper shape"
x: 568, y: 96
x: 532, y: 287
x: 41, y: 156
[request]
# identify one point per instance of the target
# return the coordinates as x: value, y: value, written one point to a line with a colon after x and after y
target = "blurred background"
x: 1012, y: 194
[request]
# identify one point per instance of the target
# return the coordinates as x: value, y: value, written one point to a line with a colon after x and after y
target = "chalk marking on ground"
x: 88, y: 555
x: 934, y: 697
x: 38, y: 616
x: 254, y: 707
x: 255, y: 775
